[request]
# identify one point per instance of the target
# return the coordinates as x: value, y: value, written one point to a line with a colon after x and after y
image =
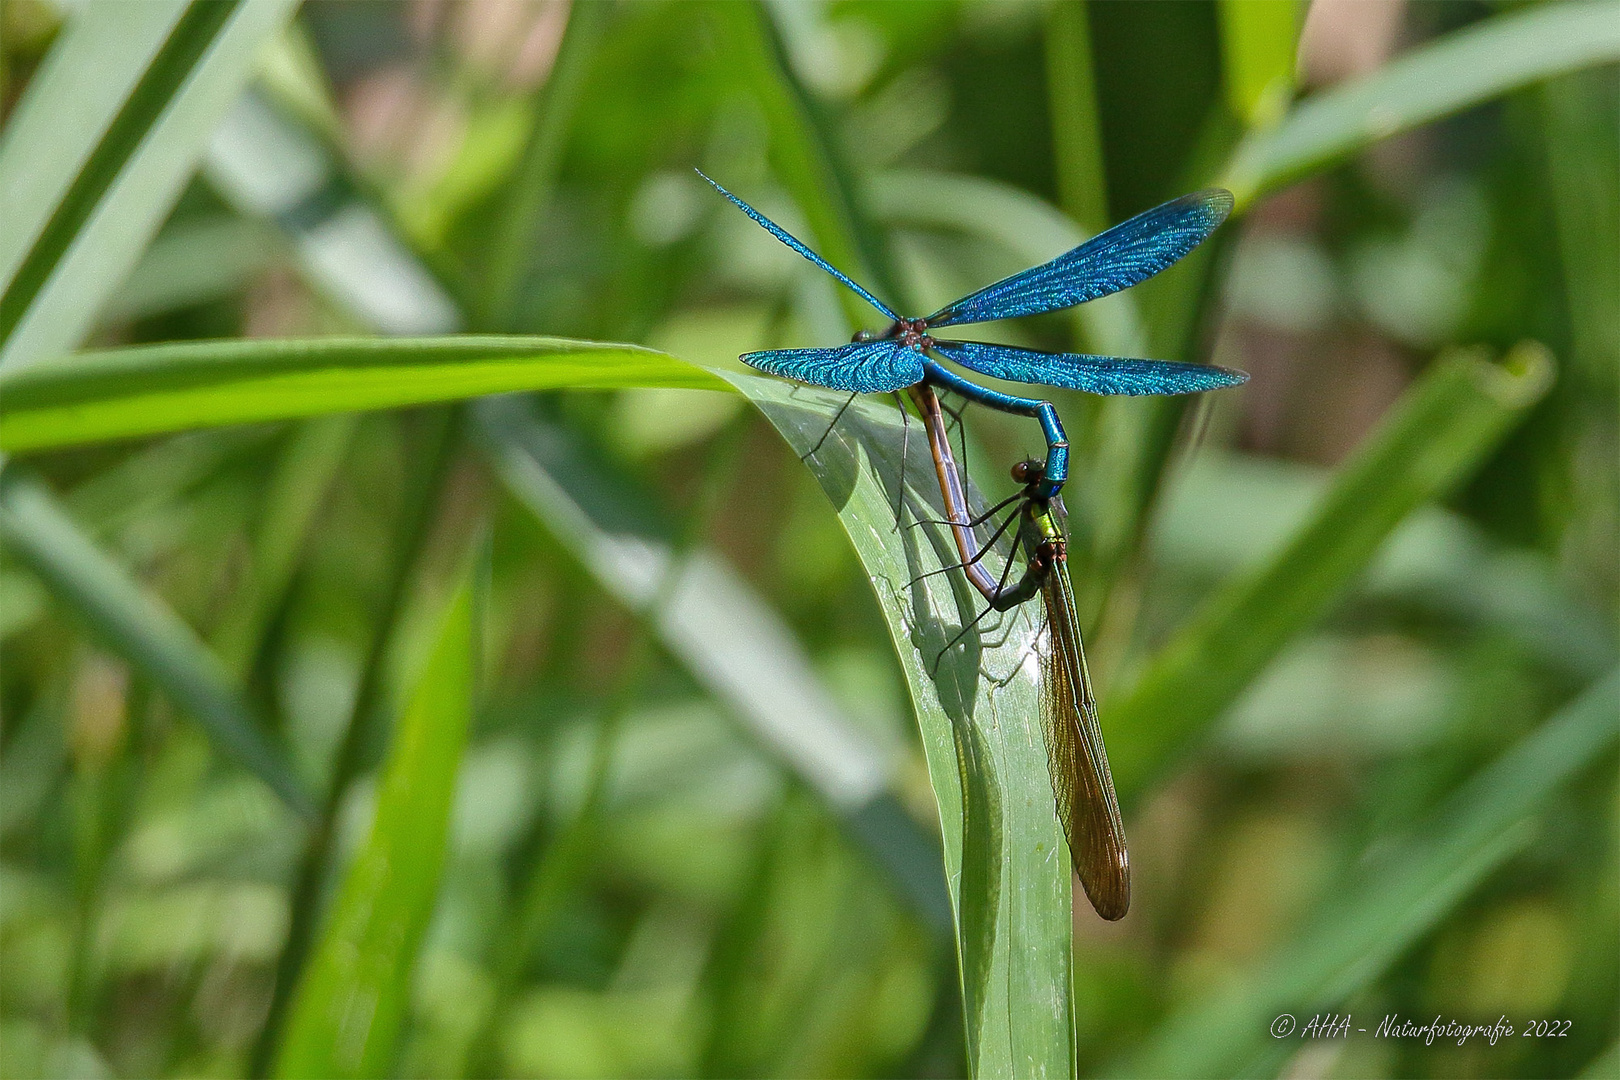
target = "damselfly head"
x: 1030, y: 471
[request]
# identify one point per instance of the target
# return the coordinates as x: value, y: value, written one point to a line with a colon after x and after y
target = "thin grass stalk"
x: 360, y: 731
x: 497, y: 305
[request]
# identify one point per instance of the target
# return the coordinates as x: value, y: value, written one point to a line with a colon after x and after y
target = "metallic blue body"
x: 1116, y: 259
x: 1057, y: 443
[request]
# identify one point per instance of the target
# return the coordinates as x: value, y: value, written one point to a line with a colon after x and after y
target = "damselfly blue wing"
x: 862, y: 367
x: 1077, y: 371
x: 1125, y: 255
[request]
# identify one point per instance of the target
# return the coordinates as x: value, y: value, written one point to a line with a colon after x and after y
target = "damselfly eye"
x: 863, y: 335
x: 1026, y: 472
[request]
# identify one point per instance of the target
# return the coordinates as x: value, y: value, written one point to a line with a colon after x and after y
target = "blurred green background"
x: 690, y: 831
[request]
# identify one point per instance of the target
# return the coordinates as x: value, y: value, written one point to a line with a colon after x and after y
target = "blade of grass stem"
x: 802, y: 158
x: 1228, y: 512
x: 361, y: 730
x: 1582, y: 161
x: 303, y: 473
x: 352, y: 1000
x: 59, y: 129
x: 979, y: 713
x: 1433, y: 438
x: 96, y: 226
x: 155, y: 389
x: 1258, y: 42
x: 557, y: 867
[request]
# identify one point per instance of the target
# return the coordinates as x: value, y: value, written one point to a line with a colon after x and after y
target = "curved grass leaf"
x: 1435, y: 436
x: 1005, y: 860
x: 165, y: 388
x: 94, y: 207
x: 1387, y: 903
x: 517, y: 235
x: 351, y: 1003
x: 142, y: 629
x: 1462, y: 69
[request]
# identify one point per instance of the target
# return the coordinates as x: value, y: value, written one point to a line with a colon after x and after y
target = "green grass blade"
x: 1437, y: 434
x: 351, y: 1003
x: 95, y: 227
x: 1005, y: 859
x: 62, y: 120
x: 1226, y: 513
x: 1460, y: 70
x: 1258, y: 41
x: 1388, y: 904
x: 1082, y: 181
x: 156, y: 389
x: 142, y: 629
x: 1583, y: 158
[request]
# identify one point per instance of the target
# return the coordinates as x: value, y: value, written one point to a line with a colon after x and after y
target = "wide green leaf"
x: 1439, y: 432
x: 1386, y: 903
x: 1462, y: 69
x: 141, y: 628
x: 352, y: 1001
x: 164, y: 388
x: 148, y: 83
x: 979, y: 711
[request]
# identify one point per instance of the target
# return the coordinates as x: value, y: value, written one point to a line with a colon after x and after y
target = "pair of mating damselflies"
x: 899, y: 359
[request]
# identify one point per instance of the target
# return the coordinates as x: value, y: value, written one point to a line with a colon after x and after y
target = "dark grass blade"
x: 865, y: 367
x: 1113, y: 375
x: 1075, y: 755
x: 798, y: 245
x: 1125, y: 255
